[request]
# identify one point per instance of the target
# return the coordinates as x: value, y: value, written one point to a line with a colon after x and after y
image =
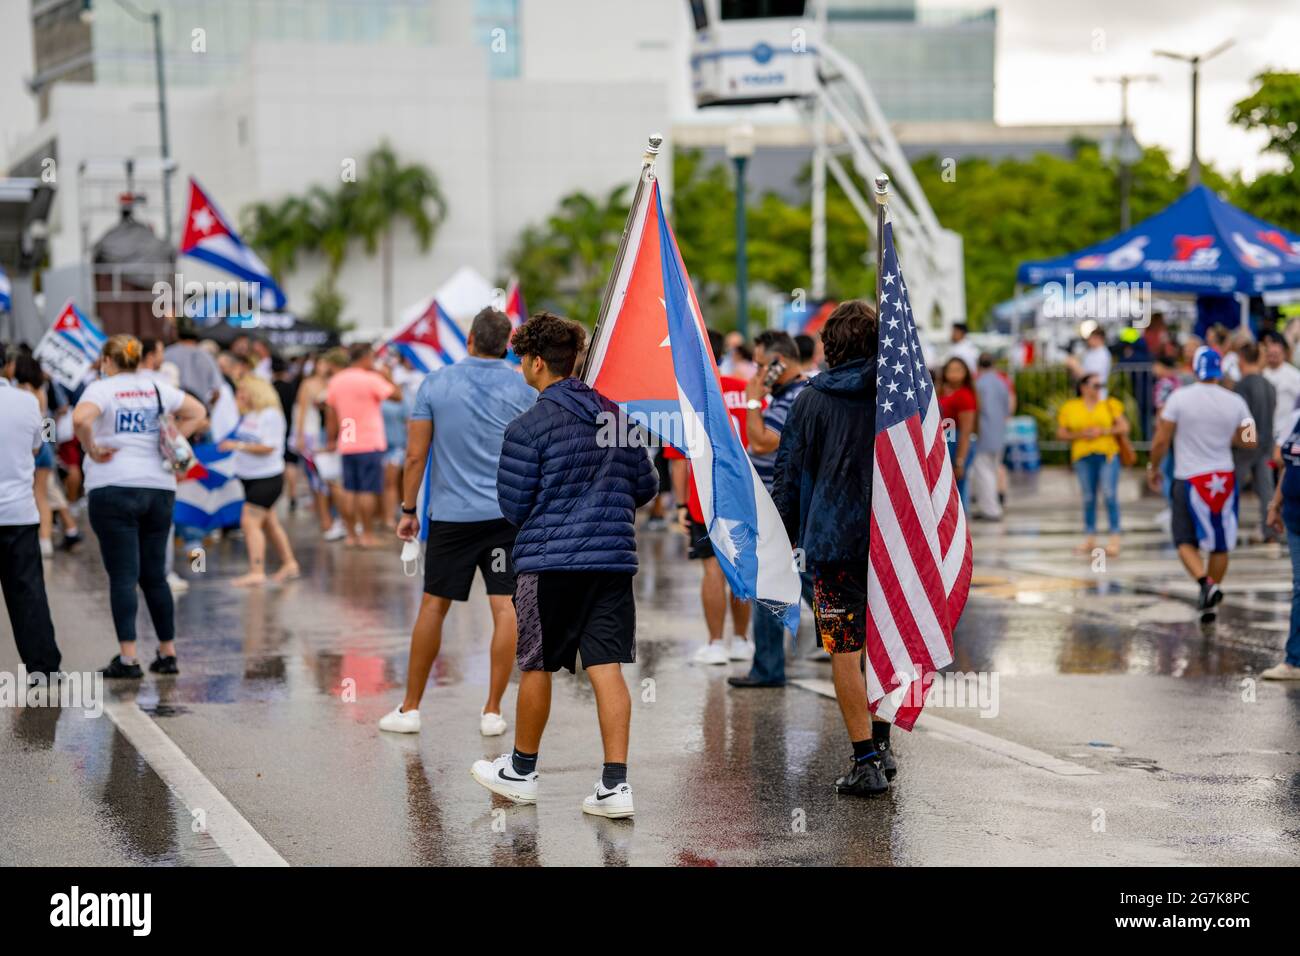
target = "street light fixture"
x: 1194, y: 167
x: 1127, y: 150
x: 153, y: 18
x: 740, y: 147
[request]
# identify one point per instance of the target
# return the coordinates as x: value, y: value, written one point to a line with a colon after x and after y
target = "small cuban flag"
x: 6, y: 293
x: 209, y: 237
x: 71, y: 346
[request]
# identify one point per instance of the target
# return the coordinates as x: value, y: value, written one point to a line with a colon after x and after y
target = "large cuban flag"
x: 430, y: 340
x: 1212, y: 498
x: 652, y: 356
x: 209, y: 496
x: 211, y: 238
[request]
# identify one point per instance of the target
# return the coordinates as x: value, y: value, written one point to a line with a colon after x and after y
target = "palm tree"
x: 388, y: 191
x: 281, y: 231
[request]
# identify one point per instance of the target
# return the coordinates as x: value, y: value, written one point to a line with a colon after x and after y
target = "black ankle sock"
x: 613, y: 775
x: 1202, y: 579
x: 879, y: 732
x: 864, y: 750
x: 523, y: 763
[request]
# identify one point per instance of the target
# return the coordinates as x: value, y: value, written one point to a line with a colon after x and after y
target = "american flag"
x: 920, y: 545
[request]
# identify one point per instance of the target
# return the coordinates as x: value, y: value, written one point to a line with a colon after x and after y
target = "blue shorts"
x: 364, y: 472
x: 45, y: 457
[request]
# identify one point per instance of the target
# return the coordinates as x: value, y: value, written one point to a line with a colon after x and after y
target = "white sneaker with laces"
x: 499, y: 776
x: 397, y: 721
x: 177, y: 583
x: 715, y: 652
x: 336, y: 532
x: 615, y: 804
x: 740, y: 649
x: 491, y: 725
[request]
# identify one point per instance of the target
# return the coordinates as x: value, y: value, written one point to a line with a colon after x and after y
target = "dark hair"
x: 1272, y: 335
x: 1090, y: 377
x: 1218, y: 332
x: 27, y: 371
x: 986, y: 360
x: 552, y: 338
x: 960, y: 327
x: 358, y: 351
x: 807, y: 347
x: 851, y: 332
x: 491, y: 332
x: 1249, y: 352
x: 150, y: 345
x: 969, y: 381
x: 717, y: 342
x: 778, y: 342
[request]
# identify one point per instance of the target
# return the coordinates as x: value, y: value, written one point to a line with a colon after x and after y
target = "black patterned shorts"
x: 564, y: 615
x: 840, y: 605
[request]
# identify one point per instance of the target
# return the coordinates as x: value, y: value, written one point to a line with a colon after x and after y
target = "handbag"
x: 1128, y: 455
x: 177, y: 455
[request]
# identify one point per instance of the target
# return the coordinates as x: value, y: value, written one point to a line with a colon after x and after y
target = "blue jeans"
x: 1293, y: 543
x: 769, y: 638
x: 965, y: 472
x: 1099, y: 472
x: 133, y: 526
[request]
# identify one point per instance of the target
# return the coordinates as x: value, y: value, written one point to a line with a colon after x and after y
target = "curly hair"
x: 557, y: 341
x: 850, y: 333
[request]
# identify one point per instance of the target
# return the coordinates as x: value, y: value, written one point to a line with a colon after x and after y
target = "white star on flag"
x: 203, y: 220
x: 1218, y: 485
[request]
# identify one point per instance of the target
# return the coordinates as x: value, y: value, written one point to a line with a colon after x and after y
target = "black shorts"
x: 840, y: 605
x: 456, y: 548
x: 263, y: 492
x: 701, y: 543
x: 566, y: 613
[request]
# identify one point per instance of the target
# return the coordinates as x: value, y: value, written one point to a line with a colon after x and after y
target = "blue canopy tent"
x: 1199, y: 245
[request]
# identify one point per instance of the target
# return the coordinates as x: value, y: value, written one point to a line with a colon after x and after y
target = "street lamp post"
x: 1127, y: 150
x: 740, y: 147
x: 155, y: 21
x: 1194, y: 166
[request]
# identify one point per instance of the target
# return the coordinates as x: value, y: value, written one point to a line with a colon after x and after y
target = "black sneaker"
x: 866, y: 778
x: 70, y: 542
x: 887, y: 761
x: 164, y: 665
x: 1211, y: 594
x: 116, y: 668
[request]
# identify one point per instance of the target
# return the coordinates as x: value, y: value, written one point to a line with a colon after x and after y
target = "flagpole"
x: 882, y: 203
x: 647, y: 164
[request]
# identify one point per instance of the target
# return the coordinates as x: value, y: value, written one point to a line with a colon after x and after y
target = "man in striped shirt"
x: 780, y: 379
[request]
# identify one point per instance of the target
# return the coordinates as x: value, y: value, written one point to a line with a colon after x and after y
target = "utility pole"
x: 1195, y: 60
x: 1127, y: 152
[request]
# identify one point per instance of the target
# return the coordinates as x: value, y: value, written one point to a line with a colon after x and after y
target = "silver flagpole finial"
x: 882, y: 188
x: 656, y: 140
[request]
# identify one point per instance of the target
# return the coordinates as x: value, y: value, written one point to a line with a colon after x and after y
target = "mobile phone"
x: 774, y: 371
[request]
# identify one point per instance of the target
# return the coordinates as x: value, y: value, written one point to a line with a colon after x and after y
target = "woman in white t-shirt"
x: 258, y: 444
x: 132, y: 491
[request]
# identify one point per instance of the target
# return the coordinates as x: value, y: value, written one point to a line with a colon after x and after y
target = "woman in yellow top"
x: 1092, y: 425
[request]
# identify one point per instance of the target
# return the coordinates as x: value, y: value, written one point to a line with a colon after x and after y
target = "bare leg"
x: 392, y: 477
x: 532, y: 710
x: 851, y: 692
x: 739, y: 617
x: 280, y: 541
x: 614, y: 708
x: 1218, y: 566
x: 364, y: 506
x: 41, y: 486
x: 426, y: 640
x: 1190, y: 555
x: 251, y: 521
x: 505, y: 634
x: 346, y: 502
x: 713, y: 595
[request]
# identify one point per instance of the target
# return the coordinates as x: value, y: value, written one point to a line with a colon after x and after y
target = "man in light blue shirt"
x: 458, y: 425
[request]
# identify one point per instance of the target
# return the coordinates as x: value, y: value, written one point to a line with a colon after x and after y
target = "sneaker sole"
x: 610, y: 813
x: 399, y: 730
x: 502, y: 790
x: 493, y: 733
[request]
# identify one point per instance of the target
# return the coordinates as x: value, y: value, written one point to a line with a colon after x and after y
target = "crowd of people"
x: 496, y: 462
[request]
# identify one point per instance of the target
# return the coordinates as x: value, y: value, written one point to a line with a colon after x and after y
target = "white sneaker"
x: 336, y: 532
x: 398, y: 722
x: 1283, y: 671
x: 47, y: 548
x: 499, y: 776
x: 177, y: 583
x: 491, y: 725
x: 615, y: 804
x: 715, y: 652
x: 740, y: 649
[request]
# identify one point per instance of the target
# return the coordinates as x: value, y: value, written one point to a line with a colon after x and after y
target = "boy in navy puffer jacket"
x: 573, y: 495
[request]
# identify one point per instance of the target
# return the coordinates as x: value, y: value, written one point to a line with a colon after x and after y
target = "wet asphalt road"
x: 1121, y: 732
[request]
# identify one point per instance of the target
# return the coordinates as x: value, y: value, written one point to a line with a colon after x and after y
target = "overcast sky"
x: 1049, y: 52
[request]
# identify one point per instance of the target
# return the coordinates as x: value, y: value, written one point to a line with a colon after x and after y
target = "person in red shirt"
x: 958, y: 408
x: 690, y: 518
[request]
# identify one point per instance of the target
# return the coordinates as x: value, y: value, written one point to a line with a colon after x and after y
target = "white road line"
x: 227, y: 827
x: 976, y: 738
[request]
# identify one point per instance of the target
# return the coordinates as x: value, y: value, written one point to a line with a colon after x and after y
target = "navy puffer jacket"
x: 573, y: 501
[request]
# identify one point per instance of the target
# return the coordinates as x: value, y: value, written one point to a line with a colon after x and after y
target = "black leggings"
x: 133, y: 526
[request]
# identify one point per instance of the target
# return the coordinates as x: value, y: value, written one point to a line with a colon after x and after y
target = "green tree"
x: 1274, y: 107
